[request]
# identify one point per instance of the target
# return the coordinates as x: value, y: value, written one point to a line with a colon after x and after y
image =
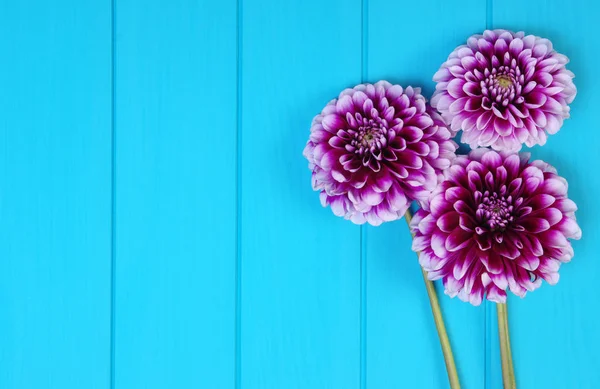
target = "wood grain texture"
x: 553, y: 330
x: 403, y: 350
x: 176, y: 189
x: 55, y: 191
x: 300, y: 264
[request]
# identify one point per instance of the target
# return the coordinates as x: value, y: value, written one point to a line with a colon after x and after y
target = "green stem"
x: 439, y: 325
x: 508, y: 371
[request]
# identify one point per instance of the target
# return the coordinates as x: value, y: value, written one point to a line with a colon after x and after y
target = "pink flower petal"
x: 569, y: 228
x: 496, y: 295
x: 458, y: 239
x: 455, y: 88
x: 553, y: 238
x: 535, y: 225
x: 333, y: 122
x: 448, y: 222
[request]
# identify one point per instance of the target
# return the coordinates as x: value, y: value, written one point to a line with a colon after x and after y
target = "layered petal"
x: 504, y: 89
x: 375, y: 149
x: 497, y: 222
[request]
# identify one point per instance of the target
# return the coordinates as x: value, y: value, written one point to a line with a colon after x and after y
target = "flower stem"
x: 439, y: 324
x: 508, y: 371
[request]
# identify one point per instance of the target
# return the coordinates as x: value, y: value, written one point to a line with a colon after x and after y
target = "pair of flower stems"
x: 508, y: 374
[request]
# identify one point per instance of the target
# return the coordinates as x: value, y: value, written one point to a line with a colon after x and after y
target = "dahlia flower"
x: 375, y: 149
x: 496, y: 222
x: 504, y: 89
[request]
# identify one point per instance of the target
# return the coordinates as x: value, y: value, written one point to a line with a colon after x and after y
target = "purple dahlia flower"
x: 375, y: 149
x: 504, y: 89
x: 497, y: 222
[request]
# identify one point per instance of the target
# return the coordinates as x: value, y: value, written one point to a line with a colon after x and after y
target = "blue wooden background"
x: 157, y: 225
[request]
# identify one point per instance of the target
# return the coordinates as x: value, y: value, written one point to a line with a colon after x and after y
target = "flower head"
x: 497, y: 222
x: 376, y: 148
x: 504, y: 89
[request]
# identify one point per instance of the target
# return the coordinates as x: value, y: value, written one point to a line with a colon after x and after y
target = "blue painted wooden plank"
x: 176, y: 187
x: 300, y: 264
x: 554, y: 329
x: 493, y: 360
x: 407, y: 42
x: 55, y: 194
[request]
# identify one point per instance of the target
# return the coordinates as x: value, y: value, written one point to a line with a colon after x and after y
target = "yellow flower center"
x: 504, y: 81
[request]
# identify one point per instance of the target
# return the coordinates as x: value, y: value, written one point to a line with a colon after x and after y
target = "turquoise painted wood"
x: 55, y: 194
x: 175, y: 189
x: 157, y: 225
